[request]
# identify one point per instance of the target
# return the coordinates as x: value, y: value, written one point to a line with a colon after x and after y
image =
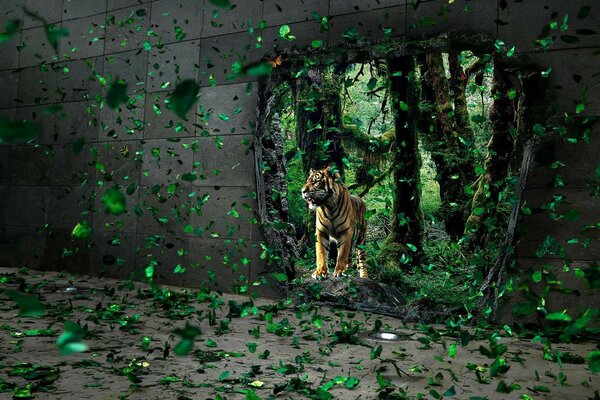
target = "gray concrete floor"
x: 308, y: 355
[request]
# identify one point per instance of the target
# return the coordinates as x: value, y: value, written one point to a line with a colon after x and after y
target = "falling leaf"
x: 70, y: 341
x: 183, y: 97
x: 82, y: 231
x: 29, y: 305
x: 221, y: 3
x: 117, y: 94
x: 114, y: 201
x: 15, y: 131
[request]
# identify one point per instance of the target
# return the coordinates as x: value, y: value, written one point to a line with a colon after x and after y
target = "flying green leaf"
x: 187, y: 334
x: 183, y: 97
x: 11, y: 27
x: 82, y: 231
x: 29, y: 305
x: 15, y: 131
x: 116, y: 94
x: 221, y: 3
x: 70, y: 341
x: 114, y: 201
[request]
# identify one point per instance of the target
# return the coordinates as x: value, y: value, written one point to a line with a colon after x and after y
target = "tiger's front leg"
x: 344, y: 248
x: 322, y: 249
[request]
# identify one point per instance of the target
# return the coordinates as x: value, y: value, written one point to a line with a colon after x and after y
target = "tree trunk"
x: 500, y: 151
x: 407, y: 222
x: 466, y: 138
x: 319, y: 120
x: 453, y: 173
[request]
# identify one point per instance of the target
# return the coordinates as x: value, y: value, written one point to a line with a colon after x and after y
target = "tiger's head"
x: 319, y: 187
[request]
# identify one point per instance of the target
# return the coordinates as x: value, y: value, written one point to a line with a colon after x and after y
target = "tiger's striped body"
x: 340, y: 219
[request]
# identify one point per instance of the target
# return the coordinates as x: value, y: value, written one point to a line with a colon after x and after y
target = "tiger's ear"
x: 312, y: 171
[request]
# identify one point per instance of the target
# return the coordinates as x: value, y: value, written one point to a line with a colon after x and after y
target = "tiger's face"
x: 318, y: 188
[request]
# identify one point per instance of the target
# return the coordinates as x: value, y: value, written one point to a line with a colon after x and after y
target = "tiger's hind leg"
x: 361, y: 254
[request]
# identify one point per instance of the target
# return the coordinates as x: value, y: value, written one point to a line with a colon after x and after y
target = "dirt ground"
x: 252, y: 349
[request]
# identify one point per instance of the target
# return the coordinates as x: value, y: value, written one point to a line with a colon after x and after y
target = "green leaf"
x: 30, y: 306
x: 450, y: 392
x: 15, y: 131
x: 351, y: 382
x: 70, y: 341
x: 11, y: 27
x: 114, y: 201
x: 188, y: 335
x: 594, y: 361
x: 82, y: 231
x: 54, y: 33
x: 220, y: 3
x: 316, y: 44
x: 558, y: 316
x: 116, y: 94
x: 183, y: 97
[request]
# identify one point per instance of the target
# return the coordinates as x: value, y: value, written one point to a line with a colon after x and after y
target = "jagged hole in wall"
x: 432, y: 141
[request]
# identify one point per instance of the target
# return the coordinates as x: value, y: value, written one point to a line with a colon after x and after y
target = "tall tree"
x: 404, y: 243
x: 454, y: 170
x: 319, y: 119
x: 500, y: 150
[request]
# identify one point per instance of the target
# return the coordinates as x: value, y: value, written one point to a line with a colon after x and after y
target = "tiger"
x: 340, y: 218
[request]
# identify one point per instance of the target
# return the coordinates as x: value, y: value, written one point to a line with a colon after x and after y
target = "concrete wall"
x: 45, y: 190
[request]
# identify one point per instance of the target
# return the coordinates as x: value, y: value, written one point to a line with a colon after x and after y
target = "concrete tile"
x: 233, y: 103
x: 368, y: 25
x: 34, y: 213
x: 579, y: 161
x: 9, y: 81
x: 10, y: 10
x: 534, y: 229
x: 226, y: 161
x: 277, y: 12
x: 37, y: 85
x: 584, y: 297
x: 167, y: 252
x: 305, y: 33
x: 75, y: 121
x: 21, y: 246
x: 30, y: 165
x: 226, y: 213
x: 36, y: 48
x: 78, y: 81
x: 63, y: 252
x: 129, y: 66
x: 113, y: 254
x: 173, y: 63
x: 168, y: 15
x: 77, y: 9
x: 45, y: 120
x: 123, y: 123
x: 4, y: 166
x: 240, y: 17
x: 572, y: 70
x: 164, y: 213
x: 522, y: 24
x: 69, y: 205
x: 164, y: 123
x: 165, y: 162
x: 50, y: 10
x: 86, y: 37
x: 127, y: 28
x: 68, y: 167
x: 218, y: 53
x: 429, y: 18
x: 216, y: 257
x: 351, y: 6
x: 115, y: 4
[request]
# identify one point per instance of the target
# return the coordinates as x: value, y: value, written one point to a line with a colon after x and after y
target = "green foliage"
x: 19, y: 131
x: 183, y: 97
x: 117, y: 94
